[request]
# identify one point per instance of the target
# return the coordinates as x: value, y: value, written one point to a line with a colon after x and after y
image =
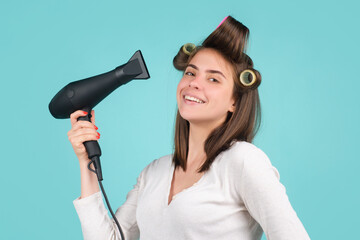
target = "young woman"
x: 216, y: 184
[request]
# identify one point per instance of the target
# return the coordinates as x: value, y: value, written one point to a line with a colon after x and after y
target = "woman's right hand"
x: 80, y: 132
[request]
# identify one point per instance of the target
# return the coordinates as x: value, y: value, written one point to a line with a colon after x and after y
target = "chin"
x: 197, y: 119
x: 188, y: 117
x: 192, y: 118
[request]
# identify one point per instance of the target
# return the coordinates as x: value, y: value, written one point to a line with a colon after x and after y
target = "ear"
x: 232, y: 107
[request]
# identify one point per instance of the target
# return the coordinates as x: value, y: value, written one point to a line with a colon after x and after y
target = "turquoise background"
x: 307, y: 52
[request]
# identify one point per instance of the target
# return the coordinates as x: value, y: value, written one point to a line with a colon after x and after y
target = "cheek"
x: 180, y: 86
x: 221, y: 100
x: 178, y: 92
x: 183, y: 81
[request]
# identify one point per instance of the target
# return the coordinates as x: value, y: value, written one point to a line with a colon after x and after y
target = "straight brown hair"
x: 230, y: 40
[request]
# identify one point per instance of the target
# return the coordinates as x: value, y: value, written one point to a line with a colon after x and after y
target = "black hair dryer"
x: 87, y: 93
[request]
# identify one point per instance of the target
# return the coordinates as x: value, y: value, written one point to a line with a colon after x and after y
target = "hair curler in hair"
x: 180, y: 60
x: 230, y: 38
x: 247, y: 77
x: 188, y: 48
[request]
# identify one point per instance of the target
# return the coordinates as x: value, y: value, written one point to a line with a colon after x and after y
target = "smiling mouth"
x: 192, y: 99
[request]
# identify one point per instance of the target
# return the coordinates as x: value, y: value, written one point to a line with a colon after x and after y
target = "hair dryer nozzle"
x: 145, y: 73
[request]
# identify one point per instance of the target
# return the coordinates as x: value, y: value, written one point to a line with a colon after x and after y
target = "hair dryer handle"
x: 92, y: 147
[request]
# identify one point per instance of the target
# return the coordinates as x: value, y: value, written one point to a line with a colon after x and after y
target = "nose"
x: 195, y: 82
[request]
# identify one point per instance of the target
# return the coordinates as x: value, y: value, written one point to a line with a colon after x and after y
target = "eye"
x: 189, y: 73
x: 213, y: 80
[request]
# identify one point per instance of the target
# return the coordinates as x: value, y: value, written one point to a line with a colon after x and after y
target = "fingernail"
x: 96, y: 128
x: 98, y: 134
x: 97, y: 137
x: 85, y: 112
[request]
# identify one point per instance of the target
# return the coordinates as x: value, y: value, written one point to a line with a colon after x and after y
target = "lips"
x: 192, y: 95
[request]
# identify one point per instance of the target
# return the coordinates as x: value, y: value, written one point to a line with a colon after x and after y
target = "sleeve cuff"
x: 90, y: 207
x: 89, y: 199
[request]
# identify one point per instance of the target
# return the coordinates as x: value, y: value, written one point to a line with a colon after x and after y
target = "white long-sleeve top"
x: 239, y: 197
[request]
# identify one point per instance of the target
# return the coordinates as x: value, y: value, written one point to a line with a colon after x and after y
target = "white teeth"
x: 193, y: 99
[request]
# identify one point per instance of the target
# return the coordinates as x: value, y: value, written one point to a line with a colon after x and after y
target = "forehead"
x: 208, y: 58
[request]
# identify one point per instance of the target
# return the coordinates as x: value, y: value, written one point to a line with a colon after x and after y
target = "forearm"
x: 95, y: 222
x: 89, y: 181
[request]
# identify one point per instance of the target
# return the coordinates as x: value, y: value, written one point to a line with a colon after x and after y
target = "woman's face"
x: 204, y: 93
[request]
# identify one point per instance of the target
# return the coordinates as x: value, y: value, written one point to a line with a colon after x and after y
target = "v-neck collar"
x: 170, y: 179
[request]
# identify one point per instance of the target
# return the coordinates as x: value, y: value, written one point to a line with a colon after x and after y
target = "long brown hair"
x: 230, y: 40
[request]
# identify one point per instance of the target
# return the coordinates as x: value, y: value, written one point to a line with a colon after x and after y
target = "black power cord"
x: 107, y: 201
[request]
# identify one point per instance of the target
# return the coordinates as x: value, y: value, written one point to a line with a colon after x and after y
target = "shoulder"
x: 243, y: 147
x: 158, y: 166
x: 241, y: 150
x: 244, y: 156
x: 249, y: 169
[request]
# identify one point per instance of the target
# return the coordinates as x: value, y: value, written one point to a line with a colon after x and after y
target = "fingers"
x: 83, y: 131
x: 78, y: 130
x: 77, y: 135
x: 93, y: 117
x: 82, y: 127
x: 79, y: 113
x: 75, y: 115
x: 83, y: 124
x: 77, y: 141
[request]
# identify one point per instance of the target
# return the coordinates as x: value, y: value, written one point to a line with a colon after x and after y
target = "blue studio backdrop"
x: 307, y: 52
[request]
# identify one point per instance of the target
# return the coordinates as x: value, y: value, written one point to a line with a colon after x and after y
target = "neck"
x: 198, y: 133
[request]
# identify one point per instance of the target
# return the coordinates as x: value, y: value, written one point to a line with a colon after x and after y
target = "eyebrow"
x: 210, y: 71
